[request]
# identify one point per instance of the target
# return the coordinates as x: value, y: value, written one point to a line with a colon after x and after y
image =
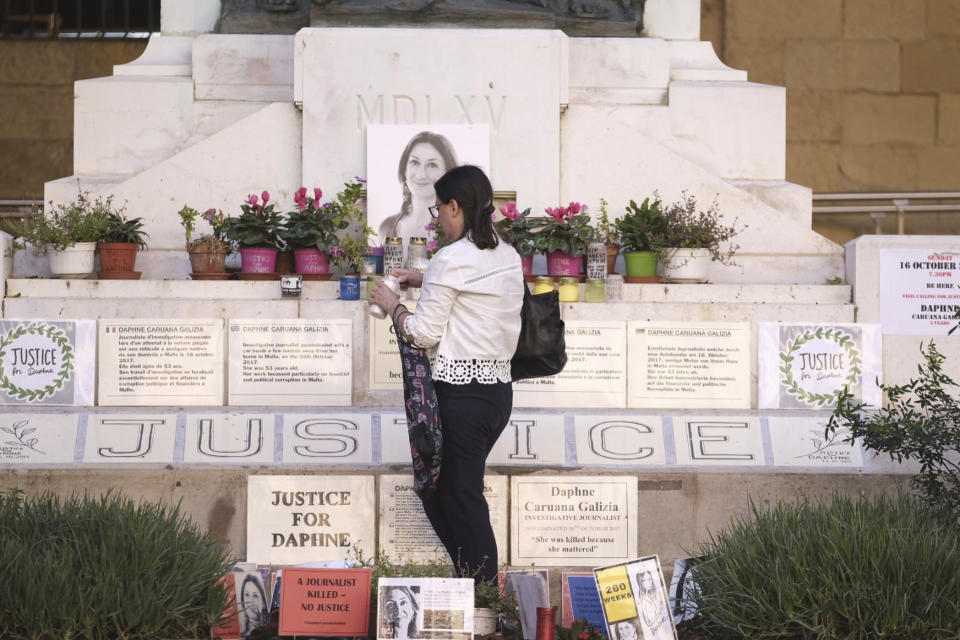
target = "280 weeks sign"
x: 47, y: 362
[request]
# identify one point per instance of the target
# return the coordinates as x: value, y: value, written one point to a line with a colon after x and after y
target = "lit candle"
x: 569, y: 289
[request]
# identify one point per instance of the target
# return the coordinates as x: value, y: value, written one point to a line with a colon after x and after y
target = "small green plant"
x: 884, y: 567
x: 217, y: 240
x: 921, y: 421
x: 517, y: 227
x: 119, y: 228
x: 606, y: 231
x: 352, y: 238
x: 641, y: 226
x: 382, y: 566
x: 834, y: 280
x: 63, y: 225
x: 104, y: 569
x: 686, y: 226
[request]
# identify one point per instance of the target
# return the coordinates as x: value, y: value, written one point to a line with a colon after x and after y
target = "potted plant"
x: 122, y: 238
x: 257, y: 231
x: 564, y: 238
x: 639, y: 231
x: 606, y: 232
x: 692, y: 238
x: 311, y: 232
x: 351, y: 237
x: 67, y: 232
x: 208, y: 251
x: 517, y: 227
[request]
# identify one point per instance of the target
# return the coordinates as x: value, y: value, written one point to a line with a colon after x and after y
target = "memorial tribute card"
x: 560, y: 521
x: 920, y: 291
x: 47, y: 362
x: 176, y: 362
x: 635, y: 602
x: 38, y: 438
x: 580, y: 599
x: 595, y: 375
x: 291, y: 362
x: 297, y: 519
x: 805, y: 366
x: 405, y: 532
x: 386, y: 372
x: 689, y: 365
x: 439, y: 608
x: 325, y: 602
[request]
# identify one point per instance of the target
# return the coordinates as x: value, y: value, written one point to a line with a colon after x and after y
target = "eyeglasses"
x: 434, y: 210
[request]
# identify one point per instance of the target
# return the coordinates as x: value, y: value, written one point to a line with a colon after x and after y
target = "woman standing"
x: 468, y: 318
x: 426, y: 157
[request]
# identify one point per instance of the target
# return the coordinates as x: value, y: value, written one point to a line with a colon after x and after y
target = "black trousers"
x: 472, y: 417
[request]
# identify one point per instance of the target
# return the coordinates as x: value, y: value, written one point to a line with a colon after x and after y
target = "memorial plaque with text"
x: 37, y: 438
x: 405, y: 532
x: 47, y: 362
x: 291, y: 362
x: 229, y: 438
x: 718, y: 440
x: 920, y: 291
x: 161, y: 362
x: 800, y: 442
x: 386, y: 372
x: 689, y: 364
x: 298, y: 519
x: 327, y: 439
x: 595, y: 375
x: 619, y: 440
x: 570, y: 521
x: 130, y: 439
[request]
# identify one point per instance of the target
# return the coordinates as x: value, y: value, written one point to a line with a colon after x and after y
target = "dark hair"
x: 438, y: 142
x: 471, y: 188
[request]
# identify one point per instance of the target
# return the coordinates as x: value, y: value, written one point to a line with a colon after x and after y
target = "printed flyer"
x: 440, y: 608
x: 920, y: 294
x: 806, y: 366
x: 47, y: 362
x: 635, y: 600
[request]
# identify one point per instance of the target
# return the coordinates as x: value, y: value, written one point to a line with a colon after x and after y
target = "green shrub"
x: 99, y: 569
x: 886, y: 567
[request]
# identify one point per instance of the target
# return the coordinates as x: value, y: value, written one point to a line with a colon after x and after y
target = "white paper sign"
x: 919, y: 291
x: 405, y: 532
x: 595, y: 374
x: 161, y: 362
x: 37, y: 438
x: 47, y: 362
x: 229, y: 438
x: 800, y: 442
x: 134, y: 438
x: 568, y: 521
x: 625, y: 440
x: 805, y: 366
x: 291, y: 362
x: 718, y: 440
x: 689, y: 364
x: 298, y: 519
x: 327, y: 439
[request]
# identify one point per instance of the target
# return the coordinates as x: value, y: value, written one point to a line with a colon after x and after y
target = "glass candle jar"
x: 392, y: 255
x: 595, y: 290
x: 614, y: 287
x: 543, y: 284
x: 596, y: 260
x: 569, y: 289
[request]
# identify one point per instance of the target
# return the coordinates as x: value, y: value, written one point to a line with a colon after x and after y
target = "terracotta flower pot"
x: 117, y: 260
x: 613, y: 250
x: 203, y: 260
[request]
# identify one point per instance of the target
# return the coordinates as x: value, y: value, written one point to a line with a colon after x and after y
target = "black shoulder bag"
x: 541, y: 350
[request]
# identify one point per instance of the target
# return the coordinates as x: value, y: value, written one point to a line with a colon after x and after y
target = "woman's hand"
x: 384, y: 297
x: 408, y: 277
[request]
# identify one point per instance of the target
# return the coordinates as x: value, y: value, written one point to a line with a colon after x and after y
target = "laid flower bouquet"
x: 517, y: 227
x: 259, y: 225
x: 567, y: 230
x: 312, y: 225
x: 216, y: 241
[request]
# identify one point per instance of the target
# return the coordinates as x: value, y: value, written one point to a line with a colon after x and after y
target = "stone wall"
x: 873, y: 86
x: 36, y: 105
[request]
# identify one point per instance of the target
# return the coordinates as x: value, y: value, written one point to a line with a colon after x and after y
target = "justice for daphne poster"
x: 47, y: 362
x: 806, y: 366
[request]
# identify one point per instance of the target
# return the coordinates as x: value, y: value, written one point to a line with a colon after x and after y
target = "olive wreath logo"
x: 55, y: 335
x: 836, y: 335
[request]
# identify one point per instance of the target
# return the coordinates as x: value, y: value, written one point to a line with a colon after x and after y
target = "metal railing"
x: 881, y: 204
x: 16, y: 208
x: 79, y: 19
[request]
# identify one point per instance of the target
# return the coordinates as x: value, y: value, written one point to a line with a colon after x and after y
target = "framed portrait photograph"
x: 403, y: 163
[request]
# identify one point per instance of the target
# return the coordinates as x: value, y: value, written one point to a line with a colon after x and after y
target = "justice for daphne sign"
x: 47, y: 362
x: 806, y: 366
x: 298, y: 519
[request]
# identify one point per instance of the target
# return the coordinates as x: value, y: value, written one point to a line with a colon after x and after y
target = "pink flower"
x: 335, y: 251
x: 208, y: 215
x: 432, y: 245
x: 300, y: 193
x: 574, y: 208
x: 252, y: 200
x: 265, y: 195
x: 557, y: 214
x: 317, y: 194
x: 510, y: 211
